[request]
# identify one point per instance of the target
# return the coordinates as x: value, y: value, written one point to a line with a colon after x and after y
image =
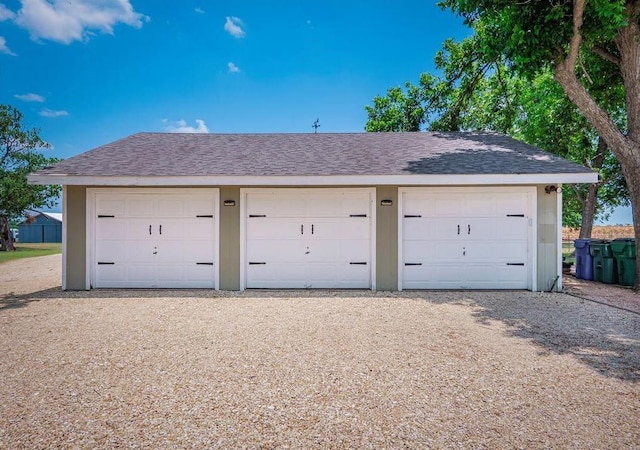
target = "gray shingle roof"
x: 169, y: 154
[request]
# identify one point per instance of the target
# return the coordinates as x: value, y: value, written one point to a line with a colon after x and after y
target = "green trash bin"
x: 605, y: 269
x: 624, y: 251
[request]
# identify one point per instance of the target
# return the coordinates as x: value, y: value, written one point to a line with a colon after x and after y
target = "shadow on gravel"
x: 605, y: 338
x: 13, y: 300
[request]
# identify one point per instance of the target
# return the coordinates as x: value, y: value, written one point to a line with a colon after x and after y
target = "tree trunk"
x: 589, y: 211
x: 6, y: 237
x: 590, y: 203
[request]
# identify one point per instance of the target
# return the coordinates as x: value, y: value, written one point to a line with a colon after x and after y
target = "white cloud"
x: 30, y: 97
x: 4, y: 48
x: 233, y: 68
x: 233, y: 26
x: 67, y: 21
x: 199, y: 10
x: 6, y: 13
x: 181, y: 126
x: 46, y: 112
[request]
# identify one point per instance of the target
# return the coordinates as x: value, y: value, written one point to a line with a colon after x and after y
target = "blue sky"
x: 92, y: 71
x: 115, y: 67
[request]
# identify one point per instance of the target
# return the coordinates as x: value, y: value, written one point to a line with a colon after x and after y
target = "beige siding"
x: 547, y: 240
x: 387, y: 239
x: 75, y: 237
x: 229, y: 262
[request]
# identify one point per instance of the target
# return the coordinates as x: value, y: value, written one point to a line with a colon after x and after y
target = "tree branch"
x: 565, y: 75
x: 604, y: 54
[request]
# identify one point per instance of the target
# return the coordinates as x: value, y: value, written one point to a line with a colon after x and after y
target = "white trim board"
x: 319, y: 180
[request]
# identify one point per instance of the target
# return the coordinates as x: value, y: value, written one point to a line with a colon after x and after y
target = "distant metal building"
x: 45, y: 227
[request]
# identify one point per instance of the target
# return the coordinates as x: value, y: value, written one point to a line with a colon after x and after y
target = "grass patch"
x: 568, y: 251
x: 30, y: 251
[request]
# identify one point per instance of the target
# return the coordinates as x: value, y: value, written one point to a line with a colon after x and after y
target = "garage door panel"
x: 414, y: 229
x: 513, y: 228
x: 111, y: 228
x: 172, y: 206
x: 343, y: 229
x: 276, y: 275
x: 339, y: 251
x: 169, y: 273
x: 275, y: 228
x: 198, y: 251
x: 415, y: 205
x: 110, y: 207
x: 110, y: 273
x: 200, y: 275
x: 446, y: 206
x: 111, y: 251
x: 511, y: 204
x: 139, y: 206
x: 354, y: 204
x: 261, y: 250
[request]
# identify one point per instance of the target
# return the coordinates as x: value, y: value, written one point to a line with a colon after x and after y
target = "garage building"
x: 385, y: 211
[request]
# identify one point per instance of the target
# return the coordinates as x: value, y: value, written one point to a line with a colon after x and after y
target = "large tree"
x: 19, y: 156
x: 565, y: 35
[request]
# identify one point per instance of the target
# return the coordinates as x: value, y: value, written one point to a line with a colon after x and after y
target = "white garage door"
x: 471, y: 238
x: 155, y: 239
x: 308, y: 238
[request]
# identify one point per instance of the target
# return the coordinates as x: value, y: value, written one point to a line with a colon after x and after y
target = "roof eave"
x: 318, y: 180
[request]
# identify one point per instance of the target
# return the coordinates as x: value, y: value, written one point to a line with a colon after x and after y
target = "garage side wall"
x: 387, y: 239
x: 229, y: 239
x: 75, y: 239
x: 548, y: 223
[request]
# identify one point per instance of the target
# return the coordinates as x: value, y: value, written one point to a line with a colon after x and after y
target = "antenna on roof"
x: 316, y: 125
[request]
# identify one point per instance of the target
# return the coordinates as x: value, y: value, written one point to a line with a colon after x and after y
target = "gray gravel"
x: 195, y: 369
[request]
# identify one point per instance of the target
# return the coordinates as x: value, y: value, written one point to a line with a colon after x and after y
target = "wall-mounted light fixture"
x: 386, y: 202
x: 229, y: 203
x: 552, y: 188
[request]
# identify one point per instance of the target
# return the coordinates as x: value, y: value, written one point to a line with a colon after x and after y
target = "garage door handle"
x: 204, y: 263
x: 412, y: 216
x: 515, y: 264
x: 515, y: 215
x: 160, y: 229
x: 469, y: 229
x: 202, y: 216
x: 103, y: 216
x: 358, y: 263
x: 412, y: 264
x: 100, y: 263
x: 257, y: 263
x: 458, y: 229
x: 357, y: 215
x: 149, y: 229
x: 257, y: 215
x: 302, y: 229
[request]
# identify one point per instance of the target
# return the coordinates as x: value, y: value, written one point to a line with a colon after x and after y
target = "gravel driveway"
x: 203, y: 369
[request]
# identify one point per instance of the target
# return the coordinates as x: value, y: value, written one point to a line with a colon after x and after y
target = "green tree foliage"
x: 476, y: 93
x: 19, y: 156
